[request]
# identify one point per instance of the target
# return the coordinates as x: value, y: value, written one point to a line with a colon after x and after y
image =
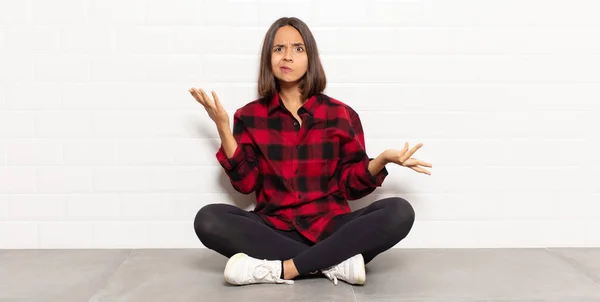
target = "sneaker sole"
x: 360, y: 275
x: 229, y: 267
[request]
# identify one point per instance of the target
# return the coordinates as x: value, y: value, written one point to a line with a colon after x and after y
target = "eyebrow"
x: 293, y: 44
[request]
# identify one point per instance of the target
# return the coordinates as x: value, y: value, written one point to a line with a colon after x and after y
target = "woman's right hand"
x: 214, y: 109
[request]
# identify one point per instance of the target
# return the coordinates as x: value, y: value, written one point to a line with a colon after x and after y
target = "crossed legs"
x: 369, y: 231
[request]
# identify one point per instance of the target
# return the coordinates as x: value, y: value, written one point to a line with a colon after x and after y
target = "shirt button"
x: 296, y: 171
x: 297, y: 147
x: 299, y: 195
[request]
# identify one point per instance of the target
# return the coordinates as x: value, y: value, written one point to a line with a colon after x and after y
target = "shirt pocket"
x: 313, y: 175
x: 324, y: 144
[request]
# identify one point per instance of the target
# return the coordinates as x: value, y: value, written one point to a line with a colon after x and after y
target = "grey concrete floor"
x: 396, y: 275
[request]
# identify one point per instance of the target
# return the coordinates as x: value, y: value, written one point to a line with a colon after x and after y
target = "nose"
x: 287, y: 56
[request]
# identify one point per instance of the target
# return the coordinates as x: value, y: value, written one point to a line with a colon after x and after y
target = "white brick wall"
x: 101, y: 145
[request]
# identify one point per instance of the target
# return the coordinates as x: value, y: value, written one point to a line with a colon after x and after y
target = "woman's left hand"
x: 403, y: 158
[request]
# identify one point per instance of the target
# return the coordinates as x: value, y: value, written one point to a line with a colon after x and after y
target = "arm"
x: 360, y: 175
x: 238, y: 157
x: 377, y: 164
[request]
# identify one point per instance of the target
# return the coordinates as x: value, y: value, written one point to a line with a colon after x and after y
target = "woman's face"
x: 289, y: 60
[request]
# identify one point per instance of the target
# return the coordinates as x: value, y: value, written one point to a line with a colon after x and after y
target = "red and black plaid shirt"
x: 303, y: 175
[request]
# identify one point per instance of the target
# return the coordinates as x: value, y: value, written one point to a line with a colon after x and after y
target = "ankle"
x: 289, y: 270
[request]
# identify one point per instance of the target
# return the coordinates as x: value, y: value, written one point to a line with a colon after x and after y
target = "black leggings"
x: 369, y: 231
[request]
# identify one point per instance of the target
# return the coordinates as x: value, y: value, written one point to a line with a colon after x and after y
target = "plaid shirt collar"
x: 310, y: 105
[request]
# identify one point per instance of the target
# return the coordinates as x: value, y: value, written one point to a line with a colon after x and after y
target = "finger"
x: 412, y: 151
x: 207, y: 100
x: 424, y: 164
x: 414, y: 161
x: 399, y: 157
x: 421, y: 170
x: 193, y: 93
x: 196, y: 94
x: 216, y: 98
x: 410, y: 162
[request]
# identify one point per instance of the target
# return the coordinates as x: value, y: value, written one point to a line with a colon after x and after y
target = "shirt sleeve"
x: 356, y: 181
x: 242, y: 168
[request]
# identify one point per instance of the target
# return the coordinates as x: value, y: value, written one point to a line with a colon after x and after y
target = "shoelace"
x: 330, y: 273
x: 261, y: 274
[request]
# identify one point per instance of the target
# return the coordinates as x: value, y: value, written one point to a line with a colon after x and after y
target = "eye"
x: 277, y: 49
x: 300, y: 48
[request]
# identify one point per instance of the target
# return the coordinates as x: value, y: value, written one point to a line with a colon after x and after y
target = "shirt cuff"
x: 230, y: 163
x: 375, y: 180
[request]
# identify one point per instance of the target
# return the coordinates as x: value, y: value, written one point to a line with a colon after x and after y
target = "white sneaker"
x: 352, y: 270
x: 242, y: 269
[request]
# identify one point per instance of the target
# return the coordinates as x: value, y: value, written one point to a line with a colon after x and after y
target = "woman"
x: 303, y: 154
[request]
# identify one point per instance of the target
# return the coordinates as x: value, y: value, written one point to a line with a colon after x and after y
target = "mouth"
x: 285, y: 69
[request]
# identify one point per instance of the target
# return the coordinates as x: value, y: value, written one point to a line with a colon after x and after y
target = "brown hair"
x: 313, y: 81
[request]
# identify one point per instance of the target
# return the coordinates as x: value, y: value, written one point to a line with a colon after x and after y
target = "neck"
x: 291, y: 95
